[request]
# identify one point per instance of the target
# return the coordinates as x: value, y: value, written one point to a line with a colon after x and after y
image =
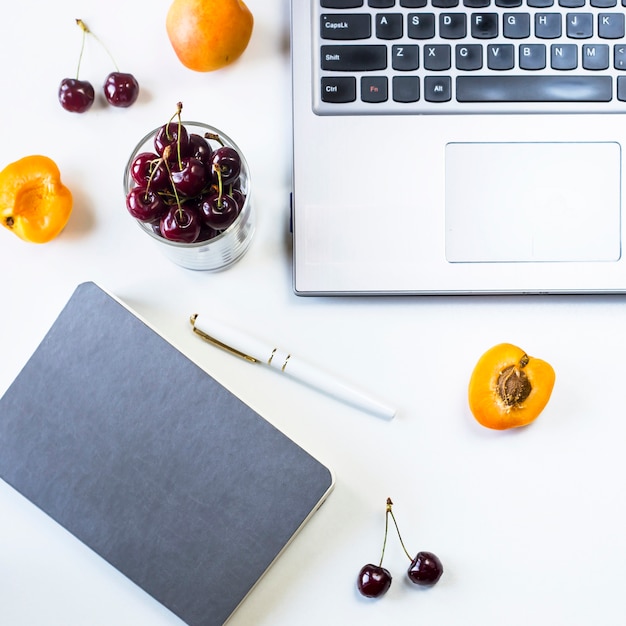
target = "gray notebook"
x: 151, y: 462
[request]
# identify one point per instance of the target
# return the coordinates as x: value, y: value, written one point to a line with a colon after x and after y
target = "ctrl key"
x: 338, y: 89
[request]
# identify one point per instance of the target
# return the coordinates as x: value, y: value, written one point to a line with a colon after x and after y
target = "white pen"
x: 256, y: 351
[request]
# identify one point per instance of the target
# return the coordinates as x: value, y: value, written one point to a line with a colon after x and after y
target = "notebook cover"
x: 151, y: 462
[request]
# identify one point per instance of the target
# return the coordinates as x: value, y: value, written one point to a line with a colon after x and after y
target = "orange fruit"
x: 508, y: 388
x: 34, y: 203
x: 208, y: 34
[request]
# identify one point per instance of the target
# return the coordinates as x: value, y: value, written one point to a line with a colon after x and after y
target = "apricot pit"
x: 508, y: 388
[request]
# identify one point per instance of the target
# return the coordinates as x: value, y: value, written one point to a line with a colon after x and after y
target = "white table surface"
x: 530, y: 525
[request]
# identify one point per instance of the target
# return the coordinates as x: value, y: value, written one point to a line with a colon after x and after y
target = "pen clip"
x: 218, y: 343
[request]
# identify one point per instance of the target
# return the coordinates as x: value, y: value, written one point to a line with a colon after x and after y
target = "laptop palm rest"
x: 532, y: 202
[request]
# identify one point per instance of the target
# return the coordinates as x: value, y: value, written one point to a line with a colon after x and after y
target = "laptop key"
x: 468, y: 57
x: 516, y: 25
x: 341, y: 4
x: 596, y: 57
x: 621, y: 88
x: 389, y: 25
x: 548, y: 25
x: 532, y: 56
x: 611, y: 25
x: 484, y: 25
x: 534, y: 89
x: 374, y: 88
x: 564, y: 56
x: 452, y: 25
x: 421, y: 25
x: 339, y: 89
x: 345, y: 26
x: 438, y: 88
x: 405, y: 58
x: 619, y: 57
x: 406, y: 88
x: 501, y: 57
x: 579, y: 25
x: 354, y: 58
x: 437, y: 57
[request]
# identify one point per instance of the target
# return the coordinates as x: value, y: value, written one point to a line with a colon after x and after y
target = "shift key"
x: 354, y: 58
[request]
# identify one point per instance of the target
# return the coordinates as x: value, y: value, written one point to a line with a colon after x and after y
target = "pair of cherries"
x: 425, y: 570
x: 121, y: 89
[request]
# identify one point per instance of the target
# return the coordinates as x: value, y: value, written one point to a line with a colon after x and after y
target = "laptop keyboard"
x: 469, y: 56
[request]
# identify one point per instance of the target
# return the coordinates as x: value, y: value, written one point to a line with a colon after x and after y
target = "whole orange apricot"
x: 508, y: 388
x: 208, y: 34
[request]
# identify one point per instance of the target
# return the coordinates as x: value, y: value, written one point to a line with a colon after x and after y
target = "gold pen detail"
x: 218, y: 343
x: 269, y: 361
x: 285, y: 363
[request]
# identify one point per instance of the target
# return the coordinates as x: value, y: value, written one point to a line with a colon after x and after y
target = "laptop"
x: 458, y: 146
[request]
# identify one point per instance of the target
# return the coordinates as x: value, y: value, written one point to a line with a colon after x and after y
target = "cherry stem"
x: 393, y: 517
x: 82, y: 45
x: 214, y: 137
x: 154, y: 165
x: 220, y: 187
x: 86, y: 30
x: 179, y: 108
x: 166, y: 154
x: 388, y: 510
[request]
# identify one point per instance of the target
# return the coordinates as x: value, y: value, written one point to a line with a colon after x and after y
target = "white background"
x: 530, y: 525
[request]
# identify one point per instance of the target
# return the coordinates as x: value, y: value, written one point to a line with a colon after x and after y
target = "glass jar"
x: 226, y: 247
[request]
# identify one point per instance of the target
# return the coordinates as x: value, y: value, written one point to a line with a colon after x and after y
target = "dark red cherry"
x: 172, y: 134
x: 238, y: 196
x: 190, y: 177
x: 228, y: 161
x: 148, y: 169
x: 76, y: 95
x: 426, y: 569
x: 121, y: 89
x: 181, y: 224
x: 206, y: 233
x: 218, y: 212
x: 373, y: 581
x: 200, y: 147
x: 145, y: 204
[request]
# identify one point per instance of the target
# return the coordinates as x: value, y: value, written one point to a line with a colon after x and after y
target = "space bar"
x: 534, y: 89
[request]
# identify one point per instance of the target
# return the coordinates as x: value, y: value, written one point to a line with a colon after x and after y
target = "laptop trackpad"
x: 529, y: 202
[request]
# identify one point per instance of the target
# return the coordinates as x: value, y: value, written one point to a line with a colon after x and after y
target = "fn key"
x: 338, y: 89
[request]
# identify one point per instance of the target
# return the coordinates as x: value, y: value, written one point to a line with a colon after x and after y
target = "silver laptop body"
x: 406, y: 182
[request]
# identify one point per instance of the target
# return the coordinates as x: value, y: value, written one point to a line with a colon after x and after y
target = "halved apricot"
x: 34, y: 203
x: 508, y: 388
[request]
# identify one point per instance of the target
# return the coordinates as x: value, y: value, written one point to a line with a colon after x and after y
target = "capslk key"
x: 354, y: 58
x: 345, y: 26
